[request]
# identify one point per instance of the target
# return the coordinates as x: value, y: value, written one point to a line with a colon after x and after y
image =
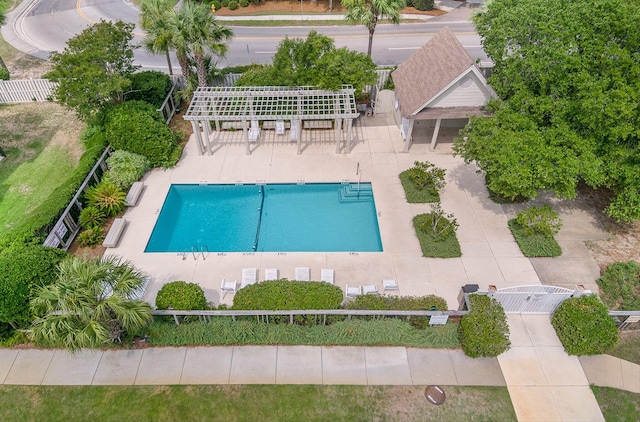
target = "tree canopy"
x: 568, y: 75
x: 93, y: 71
x: 369, y: 12
x: 314, y: 61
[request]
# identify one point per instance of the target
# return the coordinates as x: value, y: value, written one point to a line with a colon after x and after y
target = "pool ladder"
x: 196, y: 252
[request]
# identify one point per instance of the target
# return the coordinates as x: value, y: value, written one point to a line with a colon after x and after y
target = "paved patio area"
x: 490, y: 255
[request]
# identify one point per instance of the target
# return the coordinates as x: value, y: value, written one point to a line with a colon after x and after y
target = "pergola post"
x: 299, y: 136
x: 348, y: 141
x: 407, y: 141
x: 206, y: 125
x: 434, y: 138
x: 245, y: 134
x: 196, y: 132
x: 337, y: 133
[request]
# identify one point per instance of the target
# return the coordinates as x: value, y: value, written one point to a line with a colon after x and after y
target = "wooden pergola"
x: 301, y: 106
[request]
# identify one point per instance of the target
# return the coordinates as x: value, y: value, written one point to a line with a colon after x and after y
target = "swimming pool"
x: 312, y: 217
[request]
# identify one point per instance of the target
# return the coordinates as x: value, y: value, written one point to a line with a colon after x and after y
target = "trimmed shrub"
x: 125, y: 168
x: 423, y: 4
x: 535, y: 245
x: 233, y: 5
x: 91, y: 237
x: 91, y: 217
x: 24, y: 269
x: 107, y: 197
x: 224, y: 3
x: 150, y: 86
x: 404, y: 303
x: 484, y: 330
x: 285, y: 294
x: 423, y: 182
x: 539, y: 220
x: 436, y: 232
x: 244, y: 3
x: 217, y: 4
x: 584, y: 326
x: 137, y: 127
x: 180, y: 295
x: 620, y: 286
x: 4, y: 74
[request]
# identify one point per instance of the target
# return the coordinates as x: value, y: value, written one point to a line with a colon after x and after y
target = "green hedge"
x: 137, y: 127
x: 423, y: 4
x: 404, y: 303
x: 620, y: 286
x: 223, y: 331
x: 584, y: 326
x: 535, y: 245
x: 25, y: 268
x: 484, y: 330
x: 180, y: 295
x: 125, y: 168
x: 150, y: 86
x: 422, y: 182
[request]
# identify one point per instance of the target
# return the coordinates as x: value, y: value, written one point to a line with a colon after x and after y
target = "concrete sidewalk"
x: 248, y: 365
x: 544, y: 382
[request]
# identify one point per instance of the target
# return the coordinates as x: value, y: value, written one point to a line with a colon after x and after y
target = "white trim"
x: 472, y: 69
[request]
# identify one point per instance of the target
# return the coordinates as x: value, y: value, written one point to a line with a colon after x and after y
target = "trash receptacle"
x: 467, y: 288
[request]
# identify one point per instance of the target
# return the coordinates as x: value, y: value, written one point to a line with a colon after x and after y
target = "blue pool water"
x: 315, y: 217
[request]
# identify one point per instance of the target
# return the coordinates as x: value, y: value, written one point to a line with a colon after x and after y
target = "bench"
x: 133, y: 194
x: 271, y: 124
x: 318, y: 124
x: 111, y: 240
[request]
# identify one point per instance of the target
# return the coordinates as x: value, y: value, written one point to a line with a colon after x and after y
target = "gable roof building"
x: 438, y: 82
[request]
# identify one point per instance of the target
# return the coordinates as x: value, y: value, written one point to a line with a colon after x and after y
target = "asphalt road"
x: 41, y: 26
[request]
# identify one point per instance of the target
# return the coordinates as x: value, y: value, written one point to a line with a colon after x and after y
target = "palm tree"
x: 91, y: 305
x: 154, y: 19
x: 368, y: 12
x: 196, y: 30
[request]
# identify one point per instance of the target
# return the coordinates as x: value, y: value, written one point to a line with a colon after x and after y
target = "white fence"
x: 536, y: 299
x: 26, y: 91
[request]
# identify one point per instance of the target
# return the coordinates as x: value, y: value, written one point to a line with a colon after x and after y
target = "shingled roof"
x: 429, y: 70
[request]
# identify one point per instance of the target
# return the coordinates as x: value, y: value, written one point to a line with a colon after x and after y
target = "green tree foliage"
x: 94, y: 69
x: 150, y: 86
x: 620, y: 286
x: 181, y: 295
x: 313, y: 61
x: 137, y: 127
x: 24, y: 269
x: 584, y: 326
x: 369, y: 12
x: 484, y: 330
x: 154, y: 19
x: 92, y: 304
x: 568, y: 74
x: 539, y: 220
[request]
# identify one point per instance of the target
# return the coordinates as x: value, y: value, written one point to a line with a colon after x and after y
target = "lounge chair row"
x: 250, y: 276
x: 371, y: 289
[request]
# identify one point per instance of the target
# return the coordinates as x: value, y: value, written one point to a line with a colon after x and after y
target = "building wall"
x: 467, y: 92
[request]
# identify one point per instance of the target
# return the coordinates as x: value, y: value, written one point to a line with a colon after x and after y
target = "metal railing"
x: 263, y: 315
x: 625, y: 318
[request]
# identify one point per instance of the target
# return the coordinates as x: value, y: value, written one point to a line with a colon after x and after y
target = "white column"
x: 206, y: 125
x: 408, y: 140
x: 348, y: 141
x: 434, y: 138
x: 299, y: 136
x: 245, y: 133
x: 337, y: 132
x: 196, y: 132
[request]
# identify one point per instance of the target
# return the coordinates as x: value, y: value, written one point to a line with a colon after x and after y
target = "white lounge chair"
x: 254, y: 131
x: 228, y: 286
x: 390, y: 286
x: 249, y: 276
x: 270, y: 274
x: 326, y: 275
x: 302, y: 274
x: 351, y: 292
x: 369, y: 289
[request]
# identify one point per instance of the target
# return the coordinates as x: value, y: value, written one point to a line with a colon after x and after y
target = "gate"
x: 534, y: 299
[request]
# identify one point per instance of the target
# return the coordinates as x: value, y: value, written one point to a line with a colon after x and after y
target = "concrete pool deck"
x: 490, y: 254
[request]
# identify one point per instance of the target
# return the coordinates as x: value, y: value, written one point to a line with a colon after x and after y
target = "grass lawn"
x: 536, y: 245
x: 617, y: 405
x: 628, y: 348
x: 42, y: 148
x: 223, y: 331
x: 253, y: 403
